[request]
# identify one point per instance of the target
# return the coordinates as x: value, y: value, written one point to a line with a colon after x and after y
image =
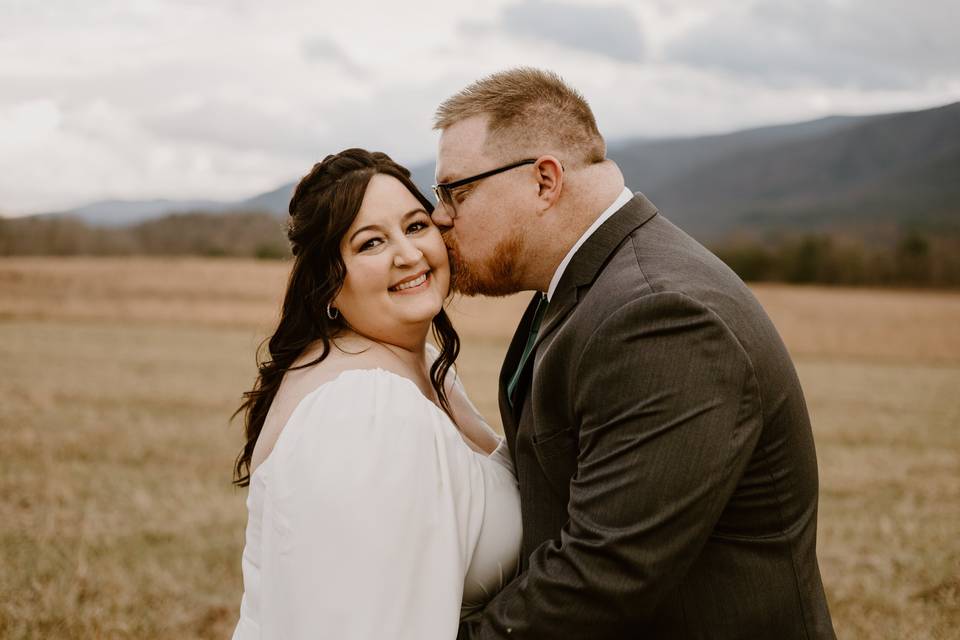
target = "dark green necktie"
x: 531, y: 340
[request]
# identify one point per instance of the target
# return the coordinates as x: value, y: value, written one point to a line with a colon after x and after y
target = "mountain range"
x: 855, y: 173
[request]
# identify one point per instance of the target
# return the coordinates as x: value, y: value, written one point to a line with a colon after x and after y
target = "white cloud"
x: 25, y: 123
x: 876, y: 44
x: 610, y: 30
x: 320, y: 48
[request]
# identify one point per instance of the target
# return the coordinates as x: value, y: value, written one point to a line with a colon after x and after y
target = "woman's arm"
x: 366, y: 511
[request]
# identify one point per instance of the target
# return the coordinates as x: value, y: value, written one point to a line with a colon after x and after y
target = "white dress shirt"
x: 625, y: 196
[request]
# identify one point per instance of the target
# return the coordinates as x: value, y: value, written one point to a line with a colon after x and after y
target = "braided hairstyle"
x: 324, y: 205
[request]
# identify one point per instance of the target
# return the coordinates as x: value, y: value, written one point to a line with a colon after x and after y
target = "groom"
x: 666, y: 464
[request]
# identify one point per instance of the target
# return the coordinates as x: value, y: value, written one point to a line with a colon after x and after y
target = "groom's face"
x: 484, y: 234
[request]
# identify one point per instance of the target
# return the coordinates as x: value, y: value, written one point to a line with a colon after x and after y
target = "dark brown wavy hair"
x: 324, y: 205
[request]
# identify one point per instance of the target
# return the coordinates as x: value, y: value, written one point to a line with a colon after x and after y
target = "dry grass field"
x: 118, y: 520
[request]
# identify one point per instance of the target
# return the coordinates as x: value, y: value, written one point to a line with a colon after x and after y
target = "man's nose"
x: 440, y: 216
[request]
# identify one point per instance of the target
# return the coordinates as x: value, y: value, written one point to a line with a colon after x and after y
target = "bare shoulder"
x: 347, y: 353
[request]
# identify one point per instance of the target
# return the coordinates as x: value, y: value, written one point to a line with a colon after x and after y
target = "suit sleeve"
x: 669, y: 413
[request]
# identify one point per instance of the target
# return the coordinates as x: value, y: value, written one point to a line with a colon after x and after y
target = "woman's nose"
x: 407, y: 254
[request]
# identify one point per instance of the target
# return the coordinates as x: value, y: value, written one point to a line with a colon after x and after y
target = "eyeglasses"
x: 444, y: 191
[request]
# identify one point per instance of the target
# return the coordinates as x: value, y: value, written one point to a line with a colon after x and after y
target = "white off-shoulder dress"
x: 372, y: 518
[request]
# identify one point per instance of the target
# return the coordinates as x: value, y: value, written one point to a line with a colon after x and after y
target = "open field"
x: 118, y: 520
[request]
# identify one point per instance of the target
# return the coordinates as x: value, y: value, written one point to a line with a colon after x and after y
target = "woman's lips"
x: 412, y: 285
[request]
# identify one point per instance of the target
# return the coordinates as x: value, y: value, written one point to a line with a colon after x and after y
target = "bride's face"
x: 397, y: 270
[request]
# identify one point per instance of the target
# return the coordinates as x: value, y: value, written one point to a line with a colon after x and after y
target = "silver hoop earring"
x: 332, y: 312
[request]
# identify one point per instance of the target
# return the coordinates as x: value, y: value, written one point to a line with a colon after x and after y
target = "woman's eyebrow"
x: 413, y: 212
x: 369, y: 227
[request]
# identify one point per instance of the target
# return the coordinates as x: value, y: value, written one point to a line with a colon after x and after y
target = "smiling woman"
x: 367, y: 464
x: 327, y: 217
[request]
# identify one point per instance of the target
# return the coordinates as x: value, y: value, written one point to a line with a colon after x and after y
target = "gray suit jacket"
x: 667, y: 470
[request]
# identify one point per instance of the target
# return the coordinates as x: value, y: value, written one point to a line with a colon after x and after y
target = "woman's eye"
x: 417, y: 226
x: 370, y: 244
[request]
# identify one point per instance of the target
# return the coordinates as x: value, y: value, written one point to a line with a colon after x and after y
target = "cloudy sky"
x: 225, y: 99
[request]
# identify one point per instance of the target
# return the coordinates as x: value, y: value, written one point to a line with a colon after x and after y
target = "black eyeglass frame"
x: 442, y: 191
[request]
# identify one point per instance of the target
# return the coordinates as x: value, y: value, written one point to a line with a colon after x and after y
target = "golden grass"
x: 117, y: 519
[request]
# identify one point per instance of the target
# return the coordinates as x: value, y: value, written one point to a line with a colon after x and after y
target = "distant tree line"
x: 241, y: 234
x: 918, y: 258
x: 911, y: 258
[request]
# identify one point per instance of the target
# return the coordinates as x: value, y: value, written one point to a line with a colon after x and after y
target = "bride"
x: 380, y: 503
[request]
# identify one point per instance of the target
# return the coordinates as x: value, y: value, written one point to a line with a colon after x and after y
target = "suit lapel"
x: 582, y: 270
x: 510, y: 362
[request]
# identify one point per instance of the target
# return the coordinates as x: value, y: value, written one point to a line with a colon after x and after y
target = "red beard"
x: 498, y: 276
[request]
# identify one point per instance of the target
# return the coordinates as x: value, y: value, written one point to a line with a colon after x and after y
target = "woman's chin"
x: 424, y: 310
x: 399, y: 318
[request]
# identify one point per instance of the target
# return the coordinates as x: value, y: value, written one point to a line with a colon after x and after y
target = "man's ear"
x: 549, y: 174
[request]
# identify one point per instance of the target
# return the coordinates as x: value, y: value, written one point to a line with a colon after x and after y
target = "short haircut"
x: 531, y: 111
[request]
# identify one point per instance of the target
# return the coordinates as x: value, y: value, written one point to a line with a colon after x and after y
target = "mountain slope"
x: 647, y: 164
x: 116, y: 213
x: 896, y: 168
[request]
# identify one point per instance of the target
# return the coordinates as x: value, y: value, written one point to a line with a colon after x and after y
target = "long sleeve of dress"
x: 372, y: 509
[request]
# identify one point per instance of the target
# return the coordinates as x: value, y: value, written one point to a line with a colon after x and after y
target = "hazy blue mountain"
x: 423, y: 177
x: 647, y: 163
x: 116, y: 213
x: 276, y: 201
x: 898, y: 168
x: 839, y: 171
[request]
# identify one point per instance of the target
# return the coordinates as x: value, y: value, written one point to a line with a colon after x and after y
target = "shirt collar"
x: 625, y: 196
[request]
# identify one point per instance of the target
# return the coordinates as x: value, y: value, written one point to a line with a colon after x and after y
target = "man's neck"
x: 589, y: 193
